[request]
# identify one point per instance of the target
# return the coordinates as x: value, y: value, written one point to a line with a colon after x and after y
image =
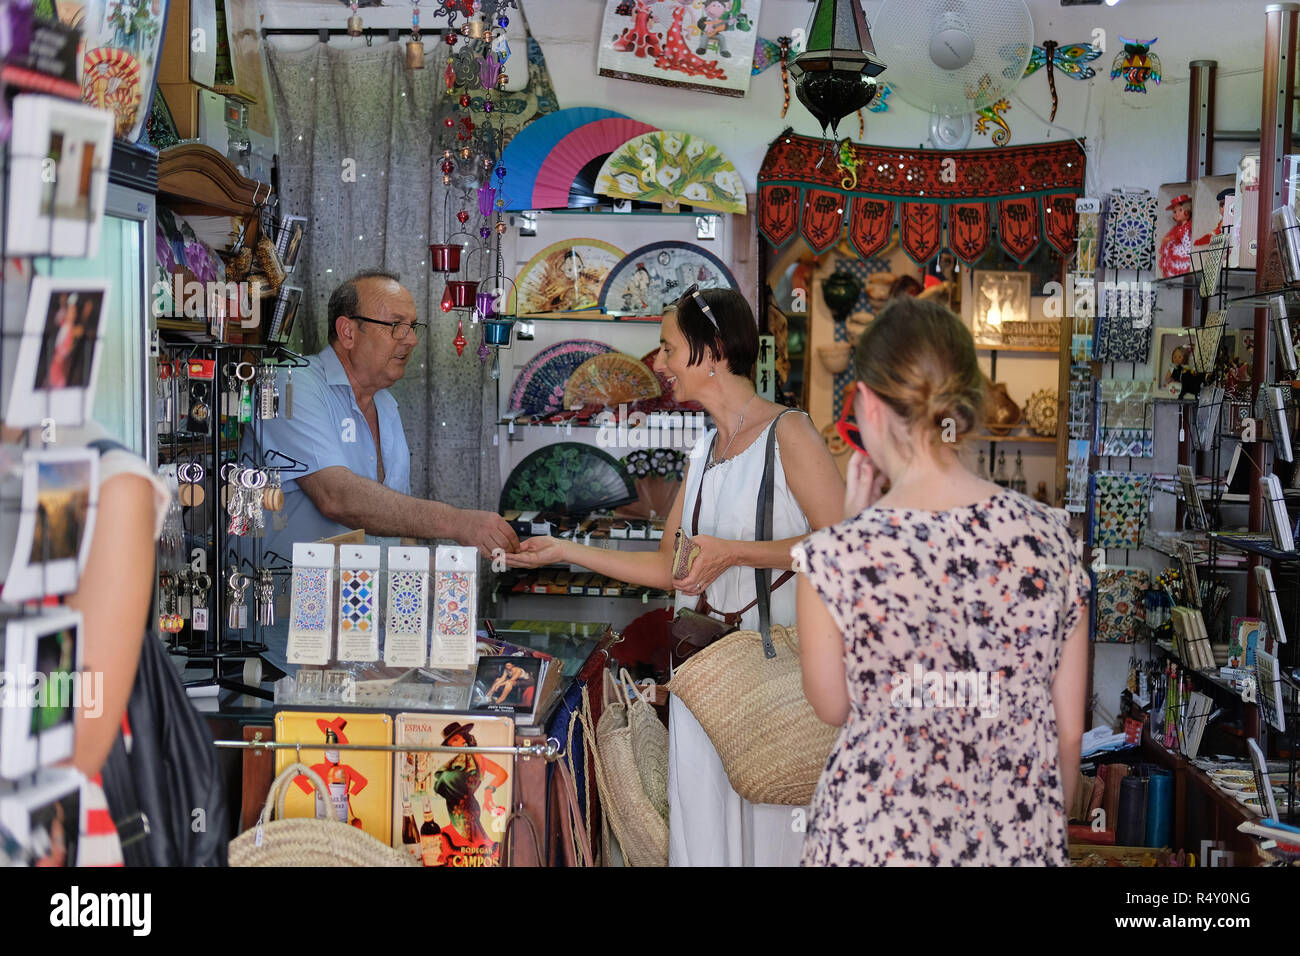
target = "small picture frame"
x: 56, y: 521
x: 44, y: 686
x: 286, y: 313
x: 45, y: 819
x: 57, y: 360
x: 58, y: 177
x: 506, y: 684
x: 288, y: 241
x: 1000, y: 298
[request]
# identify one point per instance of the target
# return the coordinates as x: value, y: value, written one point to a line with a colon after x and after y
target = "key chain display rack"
x: 213, y: 600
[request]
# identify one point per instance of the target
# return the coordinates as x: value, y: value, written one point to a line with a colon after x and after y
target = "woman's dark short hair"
x: 736, y: 337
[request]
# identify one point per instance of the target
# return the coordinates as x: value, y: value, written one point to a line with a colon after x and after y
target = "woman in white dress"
x: 708, y: 345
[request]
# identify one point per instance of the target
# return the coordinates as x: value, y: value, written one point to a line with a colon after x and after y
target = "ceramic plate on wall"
x: 653, y: 277
x: 566, y: 276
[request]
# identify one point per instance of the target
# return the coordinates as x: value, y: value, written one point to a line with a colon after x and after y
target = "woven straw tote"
x: 773, y: 746
x: 641, y: 830
x: 649, y: 745
x: 305, y: 841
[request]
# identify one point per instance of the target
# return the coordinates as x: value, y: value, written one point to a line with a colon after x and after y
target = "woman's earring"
x: 712, y: 372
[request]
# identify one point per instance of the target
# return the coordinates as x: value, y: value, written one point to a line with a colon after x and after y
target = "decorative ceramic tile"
x: 1130, y: 238
x: 310, y: 600
x: 406, y: 609
x: 1121, y: 603
x: 356, y: 602
x: 453, y: 591
x: 1124, y: 418
x: 1120, y: 503
x: 1124, y: 324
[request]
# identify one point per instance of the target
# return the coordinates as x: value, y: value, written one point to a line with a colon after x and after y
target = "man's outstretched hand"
x: 487, y: 531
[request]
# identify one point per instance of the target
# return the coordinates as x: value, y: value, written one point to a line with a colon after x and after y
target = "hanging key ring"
x: 226, y: 474
x: 239, y: 374
x: 253, y: 479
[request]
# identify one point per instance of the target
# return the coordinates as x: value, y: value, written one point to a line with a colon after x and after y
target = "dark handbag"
x: 693, y: 631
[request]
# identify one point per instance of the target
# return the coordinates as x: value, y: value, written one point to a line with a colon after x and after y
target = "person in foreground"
x: 943, y: 624
x: 708, y: 344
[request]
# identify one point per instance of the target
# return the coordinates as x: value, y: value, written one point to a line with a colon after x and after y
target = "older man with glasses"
x: 347, y: 432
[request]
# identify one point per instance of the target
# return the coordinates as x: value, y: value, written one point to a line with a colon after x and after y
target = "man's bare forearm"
x: 346, y: 497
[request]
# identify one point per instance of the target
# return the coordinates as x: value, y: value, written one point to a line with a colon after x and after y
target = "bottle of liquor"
x: 336, y: 779
x: 981, y: 470
x: 410, y: 834
x: 1000, y: 472
x: 430, y: 836
x: 1018, y: 481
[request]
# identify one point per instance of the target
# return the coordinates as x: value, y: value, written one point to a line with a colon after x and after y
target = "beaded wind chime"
x: 476, y: 70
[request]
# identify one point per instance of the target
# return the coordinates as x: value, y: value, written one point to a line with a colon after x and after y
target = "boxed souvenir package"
x: 1244, y: 208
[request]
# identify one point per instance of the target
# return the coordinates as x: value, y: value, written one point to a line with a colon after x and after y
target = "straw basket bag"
x: 308, y: 841
x: 773, y: 746
x: 630, y: 749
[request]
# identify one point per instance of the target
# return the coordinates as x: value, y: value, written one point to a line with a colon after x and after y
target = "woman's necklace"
x: 739, y: 425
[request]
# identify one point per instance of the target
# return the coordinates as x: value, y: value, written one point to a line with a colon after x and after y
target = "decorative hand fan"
x: 649, y: 279
x: 111, y: 81
x: 553, y: 187
x: 608, y: 380
x: 669, y: 166
x: 658, y: 476
x: 527, y: 150
x: 566, y: 276
x: 567, y: 477
x: 667, y: 401
x: 539, y: 389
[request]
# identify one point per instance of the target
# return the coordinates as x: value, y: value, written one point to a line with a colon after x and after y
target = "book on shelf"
x: 1280, y: 314
x: 1277, y: 418
x: 1269, y: 603
x: 1279, y: 524
x: 1192, y: 496
x: 1196, y: 716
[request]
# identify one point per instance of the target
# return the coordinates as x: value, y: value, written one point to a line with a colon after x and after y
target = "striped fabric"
x: 99, y: 845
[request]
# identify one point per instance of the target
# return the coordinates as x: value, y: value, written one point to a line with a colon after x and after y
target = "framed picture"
x: 1243, y: 641
x: 1176, y: 359
x: 1000, y: 297
x: 288, y: 242
x: 55, y: 366
x: 56, y: 521
x: 1207, y: 208
x: 43, y: 662
x: 705, y: 46
x: 286, y: 313
x: 58, y: 177
x: 506, y: 684
x: 45, y: 819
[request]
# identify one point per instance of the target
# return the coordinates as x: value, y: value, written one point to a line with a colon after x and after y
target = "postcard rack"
x: 206, y: 454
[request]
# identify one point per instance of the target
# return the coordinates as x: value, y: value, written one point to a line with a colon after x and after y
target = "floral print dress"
x: 980, y: 598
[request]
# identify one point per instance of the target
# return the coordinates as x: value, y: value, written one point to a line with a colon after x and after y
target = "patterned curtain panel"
x: 359, y: 148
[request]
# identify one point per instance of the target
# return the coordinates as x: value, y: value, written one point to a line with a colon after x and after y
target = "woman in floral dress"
x: 943, y: 624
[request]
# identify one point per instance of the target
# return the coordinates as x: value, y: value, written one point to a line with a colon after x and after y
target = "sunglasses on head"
x: 847, y: 426
x: 694, y: 293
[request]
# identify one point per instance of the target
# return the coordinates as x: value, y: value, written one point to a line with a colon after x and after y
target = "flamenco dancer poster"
x: 705, y: 45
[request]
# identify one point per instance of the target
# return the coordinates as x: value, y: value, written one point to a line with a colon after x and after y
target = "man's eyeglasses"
x: 399, y: 330
x: 847, y: 426
x: 694, y: 293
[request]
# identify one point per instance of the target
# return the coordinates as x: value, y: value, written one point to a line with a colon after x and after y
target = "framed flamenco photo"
x: 53, y: 378
x: 706, y: 46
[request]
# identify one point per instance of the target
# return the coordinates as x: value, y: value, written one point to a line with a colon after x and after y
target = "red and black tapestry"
x: 938, y: 199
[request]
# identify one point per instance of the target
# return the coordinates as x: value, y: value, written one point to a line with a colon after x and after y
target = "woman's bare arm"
x: 821, y: 654
x: 114, y: 597
x: 1069, y: 689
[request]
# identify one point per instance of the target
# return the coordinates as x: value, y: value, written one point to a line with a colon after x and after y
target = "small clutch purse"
x: 684, y: 552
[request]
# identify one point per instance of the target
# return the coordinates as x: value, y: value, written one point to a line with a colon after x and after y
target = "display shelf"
x: 1255, y: 547
x: 521, y: 581
x: 1239, y: 280
x: 1207, y: 676
x: 1015, y: 438
x: 1041, y: 350
x: 586, y: 316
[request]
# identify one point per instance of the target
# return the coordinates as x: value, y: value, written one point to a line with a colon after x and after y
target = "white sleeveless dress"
x: 709, y: 823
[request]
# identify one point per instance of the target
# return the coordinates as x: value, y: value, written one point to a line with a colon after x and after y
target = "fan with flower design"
x: 610, y: 379
x: 672, y: 167
x: 539, y: 387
